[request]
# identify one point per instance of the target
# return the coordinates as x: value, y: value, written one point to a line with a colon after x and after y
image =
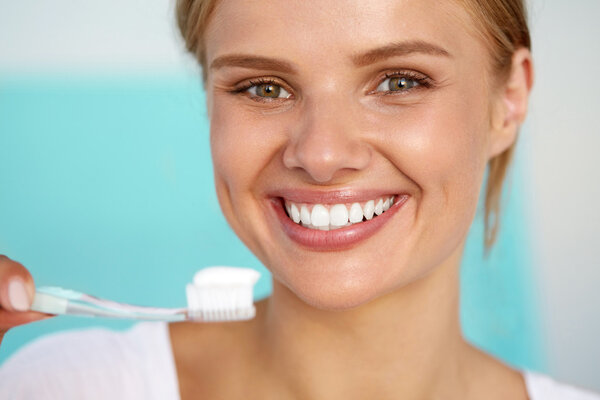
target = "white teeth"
x: 379, y: 207
x: 369, y: 209
x: 326, y: 217
x: 295, y: 213
x: 356, y: 213
x: 319, y: 216
x: 338, y: 215
x: 304, y: 215
x: 386, y: 204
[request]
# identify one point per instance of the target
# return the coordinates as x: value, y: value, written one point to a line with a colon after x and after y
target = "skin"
x: 379, y: 319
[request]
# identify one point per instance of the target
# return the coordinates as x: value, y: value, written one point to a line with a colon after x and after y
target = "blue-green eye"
x: 268, y: 90
x: 397, y: 84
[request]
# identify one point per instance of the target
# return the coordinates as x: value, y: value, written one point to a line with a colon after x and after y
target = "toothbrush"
x: 216, y: 294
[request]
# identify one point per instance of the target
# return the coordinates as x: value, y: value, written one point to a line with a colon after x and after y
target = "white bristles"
x: 222, y: 294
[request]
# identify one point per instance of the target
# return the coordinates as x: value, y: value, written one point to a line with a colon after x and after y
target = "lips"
x: 334, y: 221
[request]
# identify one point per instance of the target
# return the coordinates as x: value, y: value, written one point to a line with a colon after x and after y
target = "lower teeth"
x: 331, y: 227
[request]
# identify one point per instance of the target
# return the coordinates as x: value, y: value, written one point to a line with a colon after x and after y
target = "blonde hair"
x: 503, y: 26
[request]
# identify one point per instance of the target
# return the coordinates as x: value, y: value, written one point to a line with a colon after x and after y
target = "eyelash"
x: 423, y: 82
x: 257, y: 82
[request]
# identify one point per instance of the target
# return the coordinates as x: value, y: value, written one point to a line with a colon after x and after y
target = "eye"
x: 268, y: 90
x: 397, y: 84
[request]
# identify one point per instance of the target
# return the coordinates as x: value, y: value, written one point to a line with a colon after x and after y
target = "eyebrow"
x: 399, y: 49
x: 369, y: 57
x: 252, y: 62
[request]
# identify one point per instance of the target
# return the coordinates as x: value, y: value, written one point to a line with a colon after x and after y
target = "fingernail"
x: 17, y: 294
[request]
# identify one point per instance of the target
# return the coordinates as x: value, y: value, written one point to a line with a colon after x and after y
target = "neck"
x: 406, y: 343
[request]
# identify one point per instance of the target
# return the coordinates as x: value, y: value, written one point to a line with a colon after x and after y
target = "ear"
x: 510, y: 105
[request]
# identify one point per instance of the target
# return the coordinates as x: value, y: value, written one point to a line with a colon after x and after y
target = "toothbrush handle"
x: 54, y: 300
x: 85, y: 310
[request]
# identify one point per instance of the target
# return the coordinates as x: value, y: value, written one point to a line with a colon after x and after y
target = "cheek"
x: 438, y: 148
x: 455, y: 154
x: 240, y: 146
x: 232, y: 156
x: 243, y: 147
x: 441, y: 148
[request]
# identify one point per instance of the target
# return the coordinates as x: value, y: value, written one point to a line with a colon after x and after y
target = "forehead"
x: 301, y: 29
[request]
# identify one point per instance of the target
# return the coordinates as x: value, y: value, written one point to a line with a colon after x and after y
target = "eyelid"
x: 423, y: 81
x: 243, y: 87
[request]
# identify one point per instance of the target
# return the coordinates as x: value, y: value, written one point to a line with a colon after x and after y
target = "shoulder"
x: 543, y: 387
x: 93, y: 364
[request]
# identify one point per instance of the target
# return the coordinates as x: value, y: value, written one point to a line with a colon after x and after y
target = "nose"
x: 327, y: 143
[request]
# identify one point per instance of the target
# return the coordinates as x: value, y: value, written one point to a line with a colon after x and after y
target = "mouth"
x: 334, y: 221
x: 327, y: 217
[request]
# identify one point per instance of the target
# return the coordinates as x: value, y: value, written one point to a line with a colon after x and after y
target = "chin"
x: 336, y: 300
x: 339, y: 299
x: 336, y: 289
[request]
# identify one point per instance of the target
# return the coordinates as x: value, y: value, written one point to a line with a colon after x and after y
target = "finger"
x: 16, y: 286
x: 11, y: 319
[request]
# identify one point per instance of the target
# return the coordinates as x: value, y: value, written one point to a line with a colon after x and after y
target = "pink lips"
x: 338, y: 239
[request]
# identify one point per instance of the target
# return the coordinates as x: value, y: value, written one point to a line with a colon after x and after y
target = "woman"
x: 349, y: 141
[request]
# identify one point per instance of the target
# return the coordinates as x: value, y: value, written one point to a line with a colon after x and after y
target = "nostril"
x: 324, y: 166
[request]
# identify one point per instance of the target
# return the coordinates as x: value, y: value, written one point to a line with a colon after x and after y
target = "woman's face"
x: 318, y: 108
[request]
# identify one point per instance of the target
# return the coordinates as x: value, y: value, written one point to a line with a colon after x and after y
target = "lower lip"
x: 337, y: 239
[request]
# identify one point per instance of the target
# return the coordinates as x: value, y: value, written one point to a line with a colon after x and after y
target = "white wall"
x: 564, y: 182
x: 90, y: 37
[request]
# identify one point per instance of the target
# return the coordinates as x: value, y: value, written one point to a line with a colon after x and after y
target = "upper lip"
x: 331, y: 196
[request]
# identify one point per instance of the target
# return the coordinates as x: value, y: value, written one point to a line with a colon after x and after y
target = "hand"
x: 16, y: 294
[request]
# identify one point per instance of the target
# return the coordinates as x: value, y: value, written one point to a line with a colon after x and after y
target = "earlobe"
x: 510, y: 107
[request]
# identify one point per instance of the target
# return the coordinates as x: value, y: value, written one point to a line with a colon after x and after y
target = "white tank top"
x: 99, y: 364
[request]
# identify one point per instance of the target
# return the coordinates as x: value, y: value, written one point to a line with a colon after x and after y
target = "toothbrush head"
x: 222, y: 294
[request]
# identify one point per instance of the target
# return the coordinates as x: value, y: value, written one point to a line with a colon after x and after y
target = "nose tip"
x: 324, y: 152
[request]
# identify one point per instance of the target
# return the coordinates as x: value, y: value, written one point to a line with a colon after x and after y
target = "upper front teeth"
x: 319, y: 216
x: 334, y: 216
x: 356, y: 213
x: 295, y: 214
x: 338, y: 215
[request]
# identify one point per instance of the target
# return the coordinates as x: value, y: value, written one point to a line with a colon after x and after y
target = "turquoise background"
x: 106, y: 187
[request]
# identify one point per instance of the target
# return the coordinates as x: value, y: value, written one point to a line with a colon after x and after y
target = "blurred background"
x: 106, y: 180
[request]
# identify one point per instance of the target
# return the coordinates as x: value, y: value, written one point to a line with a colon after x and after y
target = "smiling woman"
x: 342, y: 136
x: 350, y: 141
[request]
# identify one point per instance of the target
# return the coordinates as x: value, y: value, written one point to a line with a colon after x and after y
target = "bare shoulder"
x: 493, y: 377
x: 500, y: 378
x: 209, y: 355
x: 191, y: 341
